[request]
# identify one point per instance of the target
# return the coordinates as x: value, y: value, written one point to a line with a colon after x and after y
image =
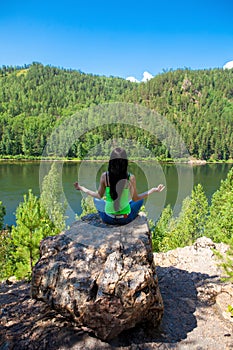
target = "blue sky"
x: 120, y: 38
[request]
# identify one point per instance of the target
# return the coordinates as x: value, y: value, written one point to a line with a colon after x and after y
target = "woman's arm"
x: 133, y: 190
x: 101, y: 190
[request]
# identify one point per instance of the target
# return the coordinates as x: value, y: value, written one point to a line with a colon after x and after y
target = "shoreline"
x: 168, y: 161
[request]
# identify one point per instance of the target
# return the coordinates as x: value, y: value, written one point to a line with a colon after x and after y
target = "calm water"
x: 17, y: 178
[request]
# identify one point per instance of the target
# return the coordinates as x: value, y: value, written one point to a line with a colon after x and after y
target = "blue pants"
x: 135, y: 207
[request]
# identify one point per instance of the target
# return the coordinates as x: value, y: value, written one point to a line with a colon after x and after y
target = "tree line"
x: 35, y: 98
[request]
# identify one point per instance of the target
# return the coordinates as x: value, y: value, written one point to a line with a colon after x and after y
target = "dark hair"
x: 117, y: 170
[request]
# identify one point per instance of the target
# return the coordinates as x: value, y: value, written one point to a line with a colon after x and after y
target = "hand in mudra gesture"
x: 160, y: 188
x: 77, y: 186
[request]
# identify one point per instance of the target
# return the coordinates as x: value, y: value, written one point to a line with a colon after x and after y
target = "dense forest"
x: 36, y: 98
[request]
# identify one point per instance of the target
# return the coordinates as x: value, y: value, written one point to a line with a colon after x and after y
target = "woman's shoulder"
x: 103, y: 177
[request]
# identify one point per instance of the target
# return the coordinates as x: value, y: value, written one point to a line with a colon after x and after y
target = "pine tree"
x: 220, y: 223
x: 6, y: 247
x: 160, y: 230
x: 52, y: 197
x: 191, y: 222
x: 32, y: 225
x: 227, y: 263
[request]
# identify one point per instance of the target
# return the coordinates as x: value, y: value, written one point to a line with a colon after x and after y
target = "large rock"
x: 102, y: 277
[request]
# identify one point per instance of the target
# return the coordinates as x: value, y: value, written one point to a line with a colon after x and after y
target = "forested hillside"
x: 199, y: 103
x: 35, y: 98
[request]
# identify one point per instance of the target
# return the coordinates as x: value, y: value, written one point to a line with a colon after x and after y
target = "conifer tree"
x: 6, y: 248
x: 32, y: 225
x: 4, y: 245
x: 160, y: 230
x: 191, y: 222
x: 36, y: 218
x: 52, y: 197
x: 220, y: 224
x: 227, y: 263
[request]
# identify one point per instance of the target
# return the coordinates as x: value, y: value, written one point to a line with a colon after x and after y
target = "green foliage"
x: 36, y: 98
x: 2, y: 214
x: 226, y: 262
x: 199, y: 104
x: 230, y: 309
x: 187, y: 227
x: 88, y: 207
x: 196, y: 219
x: 52, y: 197
x: 160, y: 230
x: 220, y: 224
x: 35, y: 219
x: 35, y: 102
x: 6, y: 247
x: 32, y: 225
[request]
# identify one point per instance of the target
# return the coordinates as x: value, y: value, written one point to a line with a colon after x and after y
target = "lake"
x: 16, y: 178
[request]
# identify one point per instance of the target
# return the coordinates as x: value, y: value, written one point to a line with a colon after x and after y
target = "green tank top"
x: 124, y: 203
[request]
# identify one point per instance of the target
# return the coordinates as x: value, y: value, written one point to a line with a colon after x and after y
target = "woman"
x: 117, y: 184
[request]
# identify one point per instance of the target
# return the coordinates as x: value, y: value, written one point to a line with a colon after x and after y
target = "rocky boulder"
x: 100, y: 276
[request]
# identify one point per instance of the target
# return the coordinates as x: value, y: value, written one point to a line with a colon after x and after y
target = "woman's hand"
x: 87, y: 191
x: 160, y: 188
x: 77, y: 186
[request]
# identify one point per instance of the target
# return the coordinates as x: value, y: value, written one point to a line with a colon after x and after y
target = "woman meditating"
x: 117, y: 185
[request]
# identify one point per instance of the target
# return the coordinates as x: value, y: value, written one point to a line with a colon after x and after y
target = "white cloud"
x: 146, y: 77
x: 228, y: 65
x: 132, y: 79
